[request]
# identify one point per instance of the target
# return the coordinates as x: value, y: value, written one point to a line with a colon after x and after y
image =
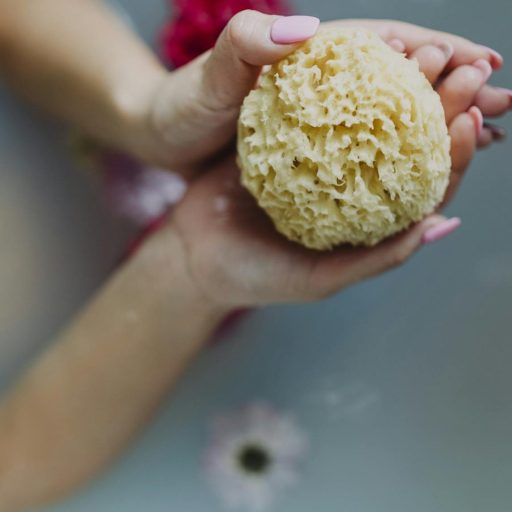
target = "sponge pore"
x: 344, y: 141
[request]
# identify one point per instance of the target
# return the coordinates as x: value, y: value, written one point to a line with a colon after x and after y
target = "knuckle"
x: 431, y: 60
x: 399, y: 256
x: 239, y: 27
x: 462, y: 132
x: 387, y: 32
x: 463, y: 83
x: 469, y: 80
x: 430, y: 52
x: 437, y: 56
x: 310, y: 287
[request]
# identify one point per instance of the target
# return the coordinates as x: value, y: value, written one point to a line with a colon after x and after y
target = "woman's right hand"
x: 235, y: 257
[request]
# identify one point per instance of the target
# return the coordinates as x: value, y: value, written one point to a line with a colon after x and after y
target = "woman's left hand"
x: 192, y: 115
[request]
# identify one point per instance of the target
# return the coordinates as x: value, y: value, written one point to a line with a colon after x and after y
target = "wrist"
x: 163, y: 265
x: 132, y: 102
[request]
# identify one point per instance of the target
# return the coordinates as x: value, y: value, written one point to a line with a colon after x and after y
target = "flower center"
x: 254, y: 459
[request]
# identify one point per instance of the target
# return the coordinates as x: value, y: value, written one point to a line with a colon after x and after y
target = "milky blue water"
x: 402, y: 383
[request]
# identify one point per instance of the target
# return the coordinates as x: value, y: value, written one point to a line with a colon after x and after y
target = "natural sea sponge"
x: 344, y: 141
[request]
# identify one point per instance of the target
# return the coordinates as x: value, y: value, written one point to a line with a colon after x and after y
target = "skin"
x: 86, y: 397
x: 103, y: 377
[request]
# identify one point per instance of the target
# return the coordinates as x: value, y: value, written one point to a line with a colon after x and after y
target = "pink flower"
x: 198, y: 23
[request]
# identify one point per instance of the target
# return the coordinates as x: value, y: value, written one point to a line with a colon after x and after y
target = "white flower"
x: 254, y: 453
x: 146, y: 193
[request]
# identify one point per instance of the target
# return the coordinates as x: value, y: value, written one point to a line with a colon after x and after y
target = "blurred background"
x: 402, y: 384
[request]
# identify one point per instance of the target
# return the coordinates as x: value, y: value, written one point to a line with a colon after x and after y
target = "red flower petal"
x: 197, y: 24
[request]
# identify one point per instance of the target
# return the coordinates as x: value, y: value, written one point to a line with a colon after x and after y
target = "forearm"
x: 94, y: 389
x: 75, y: 59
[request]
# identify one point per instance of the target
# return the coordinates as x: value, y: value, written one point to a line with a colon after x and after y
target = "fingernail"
x: 508, y: 92
x: 440, y: 230
x: 478, y: 119
x: 293, y: 29
x: 485, y: 140
x: 447, y: 49
x: 498, y: 133
x: 484, y: 67
x: 397, y: 45
x: 496, y: 58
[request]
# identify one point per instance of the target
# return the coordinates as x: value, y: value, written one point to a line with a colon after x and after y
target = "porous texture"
x: 344, y: 141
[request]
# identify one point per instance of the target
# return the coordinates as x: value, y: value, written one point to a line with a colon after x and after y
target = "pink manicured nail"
x: 293, y: 29
x: 496, y: 58
x: 478, y: 119
x: 440, y: 230
x: 484, y: 67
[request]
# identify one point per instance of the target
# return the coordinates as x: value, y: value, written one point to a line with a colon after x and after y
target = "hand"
x: 192, y: 115
x: 236, y: 258
x: 465, y: 87
x: 459, y: 71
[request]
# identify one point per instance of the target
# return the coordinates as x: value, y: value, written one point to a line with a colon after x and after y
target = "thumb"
x: 250, y: 40
x: 194, y: 110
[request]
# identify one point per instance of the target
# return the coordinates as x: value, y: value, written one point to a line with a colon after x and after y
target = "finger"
x: 201, y: 101
x: 465, y: 51
x: 397, y: 45
x: 390, y: 253
x: 496, y: 59
x: 497, y: 133
x: 250, y: 40
x: 485, y: 139
x: 459, y: 89
x: 464, y: 131
x: 433, y: 59
x: 493, y: 101
x: 345, y: 267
